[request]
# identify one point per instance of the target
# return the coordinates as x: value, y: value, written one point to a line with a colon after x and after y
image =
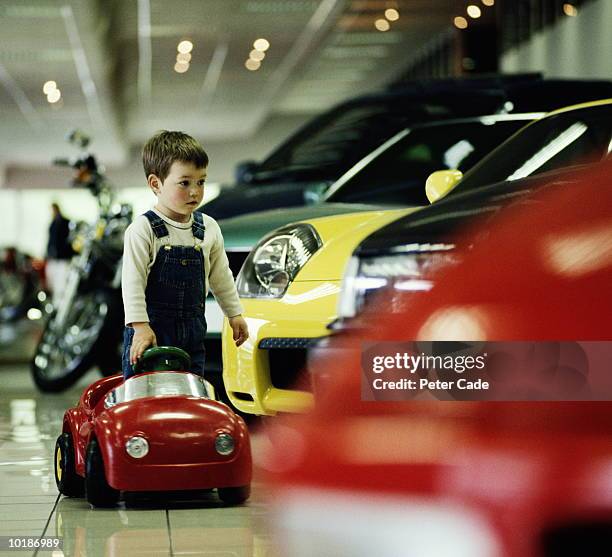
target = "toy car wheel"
x: 234, y: 495
x: 99, y: 492
x: 68, y: 482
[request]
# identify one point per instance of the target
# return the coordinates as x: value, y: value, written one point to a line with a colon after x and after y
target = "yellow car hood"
x: 340, y: 235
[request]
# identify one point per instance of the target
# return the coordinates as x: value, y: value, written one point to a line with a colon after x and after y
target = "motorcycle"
x: 81, y: 330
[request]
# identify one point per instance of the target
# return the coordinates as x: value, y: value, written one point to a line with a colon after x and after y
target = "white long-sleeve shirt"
x: 140, y: 249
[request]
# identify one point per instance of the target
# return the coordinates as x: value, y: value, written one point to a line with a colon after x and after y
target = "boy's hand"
x: 143, y: 338
x: 240, y: 329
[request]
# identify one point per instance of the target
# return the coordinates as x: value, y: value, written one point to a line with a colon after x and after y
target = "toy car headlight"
x: 410, y: 270
x: 224, y: 444
x: 137, y: 446
x: 275, y: 261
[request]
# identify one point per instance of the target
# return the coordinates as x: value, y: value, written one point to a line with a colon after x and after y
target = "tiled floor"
x: 30, y: 505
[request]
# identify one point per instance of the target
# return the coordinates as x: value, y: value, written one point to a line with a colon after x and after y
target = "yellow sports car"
x: 260, y: 376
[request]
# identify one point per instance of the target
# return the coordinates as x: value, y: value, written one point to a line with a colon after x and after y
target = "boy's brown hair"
x: 166, y: 147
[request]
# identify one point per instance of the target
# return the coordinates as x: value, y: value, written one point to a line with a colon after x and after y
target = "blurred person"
x: 172, y: 254
x: 59, y: 253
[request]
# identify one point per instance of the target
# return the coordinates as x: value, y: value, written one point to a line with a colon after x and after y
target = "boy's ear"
x: 154, y: 183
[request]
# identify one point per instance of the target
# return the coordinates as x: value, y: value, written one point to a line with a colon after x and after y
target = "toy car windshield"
x: 157, y: 384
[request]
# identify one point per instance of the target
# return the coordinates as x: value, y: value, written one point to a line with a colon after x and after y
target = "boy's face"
x: 181, y: 192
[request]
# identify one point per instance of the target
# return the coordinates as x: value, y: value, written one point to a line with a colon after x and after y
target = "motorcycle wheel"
x: 65, y: 352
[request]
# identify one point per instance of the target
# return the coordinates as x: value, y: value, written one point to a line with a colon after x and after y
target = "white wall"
x: 575, y: 47
x: 26, y: 214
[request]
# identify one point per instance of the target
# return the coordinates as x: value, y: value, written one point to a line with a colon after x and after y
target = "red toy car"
x: 160, y: 430
x: 479, y: 479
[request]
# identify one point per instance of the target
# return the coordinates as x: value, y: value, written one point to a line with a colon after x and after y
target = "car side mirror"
x: 440, y: 183
x: 244, y: 171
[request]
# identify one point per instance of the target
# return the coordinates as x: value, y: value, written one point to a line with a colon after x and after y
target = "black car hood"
x: 438, y: 222
x: 241, y: 198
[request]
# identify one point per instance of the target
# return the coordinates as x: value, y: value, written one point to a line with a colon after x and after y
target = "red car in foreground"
x: 480, y: 479
x: 156, y: 431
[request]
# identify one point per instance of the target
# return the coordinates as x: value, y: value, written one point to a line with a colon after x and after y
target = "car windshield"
x: 567, y: 139
x: 396, y: 172
x: 157, y: 384
x: 340, y: 138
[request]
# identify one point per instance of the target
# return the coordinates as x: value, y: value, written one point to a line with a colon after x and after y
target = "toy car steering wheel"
x: 163, y: 358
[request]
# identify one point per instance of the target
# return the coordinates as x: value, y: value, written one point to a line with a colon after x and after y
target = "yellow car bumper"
x: 267, y: 373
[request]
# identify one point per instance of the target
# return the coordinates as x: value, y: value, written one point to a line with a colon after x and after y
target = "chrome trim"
x: 158, y: 384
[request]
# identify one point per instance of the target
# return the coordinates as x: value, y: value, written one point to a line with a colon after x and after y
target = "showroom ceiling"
x: 113, y: 62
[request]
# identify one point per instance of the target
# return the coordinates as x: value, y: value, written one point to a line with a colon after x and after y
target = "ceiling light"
x: 474, y: 11
x: 49, y: 86
x: 488, y: 2
x: 392, y: 14
x: 570, y: 10
x: 252, y: 65
x: 183, y: 57
x: 382, y: 25
x: 181, y: 67
x: 261, y: 44
x: 257, y: 55
x: 460, y: 22
x: 185, y: 47
x: 54, y: 96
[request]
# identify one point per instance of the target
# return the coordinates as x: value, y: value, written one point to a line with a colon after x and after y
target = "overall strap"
x: 198, y: 228
x: 157, y: 224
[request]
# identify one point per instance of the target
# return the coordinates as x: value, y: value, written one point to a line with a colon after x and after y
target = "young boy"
x: 172, y: 255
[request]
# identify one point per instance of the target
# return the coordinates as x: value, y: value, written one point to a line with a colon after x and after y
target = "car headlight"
x: 224, y: 444
x: 410, y: 270
x: 275, y: 261
x: 137, y: 446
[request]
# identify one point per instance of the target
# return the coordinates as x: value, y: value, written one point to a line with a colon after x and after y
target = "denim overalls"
x: 175, y: 296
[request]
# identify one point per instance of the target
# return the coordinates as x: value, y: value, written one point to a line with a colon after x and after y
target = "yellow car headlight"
x: 275, y: 261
